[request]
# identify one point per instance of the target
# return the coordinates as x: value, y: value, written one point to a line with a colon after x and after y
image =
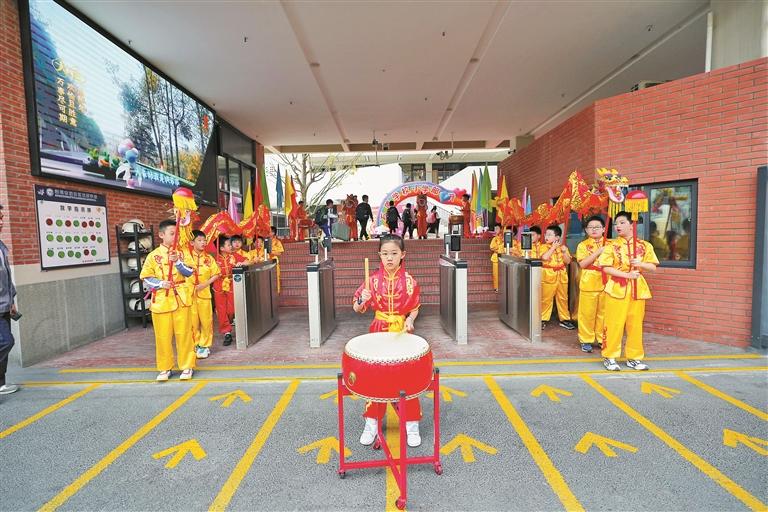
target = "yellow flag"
x: 502, y: 194
x: 289, y: 194
x: 248, y: 206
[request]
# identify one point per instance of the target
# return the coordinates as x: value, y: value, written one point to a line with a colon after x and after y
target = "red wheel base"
x: 342, y: 474
x: 377, y: 444
x: 438, y: 468
x: 400, y: 503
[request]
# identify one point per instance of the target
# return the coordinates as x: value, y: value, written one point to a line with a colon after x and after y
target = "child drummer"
x: 393, y: 294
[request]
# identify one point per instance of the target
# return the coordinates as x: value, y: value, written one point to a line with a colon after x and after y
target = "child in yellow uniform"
x: 277, y: 251
x: 554, y: 277
x: 591, y: 298
x: 205, y: 272
x: 170, y: 306
x: 625, y: 294
x: 242, y: 256
x: 498, y: 247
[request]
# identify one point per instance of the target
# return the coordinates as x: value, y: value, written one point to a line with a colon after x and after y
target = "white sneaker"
x: 636, y: 365
x: 7, y: 389
x: 202, y: 352
x: 369, y: 432
x: 163, y: 376
x: 412, y: 429
x: 186, y: 374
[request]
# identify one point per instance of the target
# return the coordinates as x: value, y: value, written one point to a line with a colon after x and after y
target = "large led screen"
x: 106, y: 118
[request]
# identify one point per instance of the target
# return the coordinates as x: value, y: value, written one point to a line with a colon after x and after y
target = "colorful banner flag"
x: 264, y: 190
x: 279, y: 188
x: 234, y: 213
x: 248, y: 204
x: 290, y: 194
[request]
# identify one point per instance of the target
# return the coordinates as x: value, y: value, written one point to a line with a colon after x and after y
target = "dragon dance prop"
x: 221, y: 223
x: 414, y: 189
x: 577, y: 196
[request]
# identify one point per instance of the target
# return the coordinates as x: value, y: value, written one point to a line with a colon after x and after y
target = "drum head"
x: 387, y: 347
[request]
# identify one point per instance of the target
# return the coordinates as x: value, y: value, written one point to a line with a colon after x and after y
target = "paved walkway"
x: 288, y: 343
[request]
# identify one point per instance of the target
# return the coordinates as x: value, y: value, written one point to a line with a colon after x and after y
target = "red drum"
x: 378, y: 365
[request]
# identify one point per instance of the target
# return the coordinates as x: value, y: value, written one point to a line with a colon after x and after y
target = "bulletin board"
x: 72, y: 227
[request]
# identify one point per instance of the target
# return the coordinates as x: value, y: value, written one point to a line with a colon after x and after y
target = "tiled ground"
x: 288, y: 343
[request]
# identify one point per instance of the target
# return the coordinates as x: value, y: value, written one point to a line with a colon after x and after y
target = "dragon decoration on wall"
x: 607, y: 194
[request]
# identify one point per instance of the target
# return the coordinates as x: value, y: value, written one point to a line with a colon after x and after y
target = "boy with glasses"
x: 591, y: 285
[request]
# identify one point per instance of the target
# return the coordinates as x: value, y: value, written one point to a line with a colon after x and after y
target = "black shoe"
x: 586, y: 347
x: 543, y: 325
x: 567, y: 324
x: 227, y: 339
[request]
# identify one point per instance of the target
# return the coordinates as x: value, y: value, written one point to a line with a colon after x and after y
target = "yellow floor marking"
x: 465, y: 444
x: 393, y: 441
x: 231, y: 397
x: 447, y: 393
x: 325, y: 447
x: 649, y: 388
x: 320, y: 366
x: 179, y: 451
x: 705, y: 467
x: 551, y: 392
x: 733, y: 439
x: 100, y: 466
x: 604, y: 444
x: 47, y: 411
x: 548, y: 469
x: 290, y: 378
x: 719, y: 394
x: 244, y: 465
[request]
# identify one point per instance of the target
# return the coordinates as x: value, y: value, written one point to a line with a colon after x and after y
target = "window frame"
x: 644, y: 226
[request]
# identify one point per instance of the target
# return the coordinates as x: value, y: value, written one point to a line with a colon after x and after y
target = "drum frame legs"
x: 398, y: 466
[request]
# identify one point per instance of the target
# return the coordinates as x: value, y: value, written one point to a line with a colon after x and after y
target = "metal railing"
x: 321, y: 301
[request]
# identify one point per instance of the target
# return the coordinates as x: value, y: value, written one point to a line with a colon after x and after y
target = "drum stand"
x: 399, y: 466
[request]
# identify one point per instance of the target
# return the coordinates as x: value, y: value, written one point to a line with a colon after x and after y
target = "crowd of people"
x: 612, y: 289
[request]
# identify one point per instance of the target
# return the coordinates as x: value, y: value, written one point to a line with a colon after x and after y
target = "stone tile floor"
x: 288, y: 343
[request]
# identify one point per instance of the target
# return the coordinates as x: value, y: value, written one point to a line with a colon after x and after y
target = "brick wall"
x: 712, y: 127
x: 16, y: 182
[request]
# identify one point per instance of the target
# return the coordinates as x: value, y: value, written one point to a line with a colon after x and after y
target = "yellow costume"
x: 683, y: 247
x: 170, y: 310
x: 277, y: 251
x: 591, y: 297
x: 554, y: 283
x: 660, y: 246
x: 204, y: 267
x: 498, y: 247
x: 621, y: 308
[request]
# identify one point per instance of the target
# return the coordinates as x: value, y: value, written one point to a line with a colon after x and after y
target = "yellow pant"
x: 551, y: 292
x: 591, y: 315
x: 495, y: 273
x: 278, y: 276
x: 621, y: 313
x: 201, y: 320
x: 168, y: 325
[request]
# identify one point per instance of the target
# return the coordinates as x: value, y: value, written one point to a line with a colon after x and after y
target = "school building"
x: 693, y: 140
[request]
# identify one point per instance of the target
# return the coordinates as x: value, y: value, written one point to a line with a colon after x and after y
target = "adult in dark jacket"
x: 363, y: 214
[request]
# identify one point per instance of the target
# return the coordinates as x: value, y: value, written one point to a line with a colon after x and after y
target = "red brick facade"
x: 712, y: 127
x: 16, y: 182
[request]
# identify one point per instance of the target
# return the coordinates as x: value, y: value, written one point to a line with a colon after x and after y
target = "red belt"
x: 599, y: 269
x: 556, y: 269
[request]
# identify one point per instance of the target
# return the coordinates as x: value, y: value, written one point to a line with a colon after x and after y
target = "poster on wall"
x: 104, y: 117
x: 72, y: 227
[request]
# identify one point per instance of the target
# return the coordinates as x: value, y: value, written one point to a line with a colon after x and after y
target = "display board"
x: 72, y: 227
x: 102, y: 116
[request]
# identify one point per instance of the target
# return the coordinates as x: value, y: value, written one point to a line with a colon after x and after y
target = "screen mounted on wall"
x: 106, y: 118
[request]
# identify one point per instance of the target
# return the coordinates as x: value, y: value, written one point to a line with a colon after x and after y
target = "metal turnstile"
x: 453, y: 297
x: 256, y: 302
x: 520, y: 295
x: 321, y: 301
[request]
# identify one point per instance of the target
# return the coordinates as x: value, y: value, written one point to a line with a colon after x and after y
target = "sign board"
x: 72, y: 227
